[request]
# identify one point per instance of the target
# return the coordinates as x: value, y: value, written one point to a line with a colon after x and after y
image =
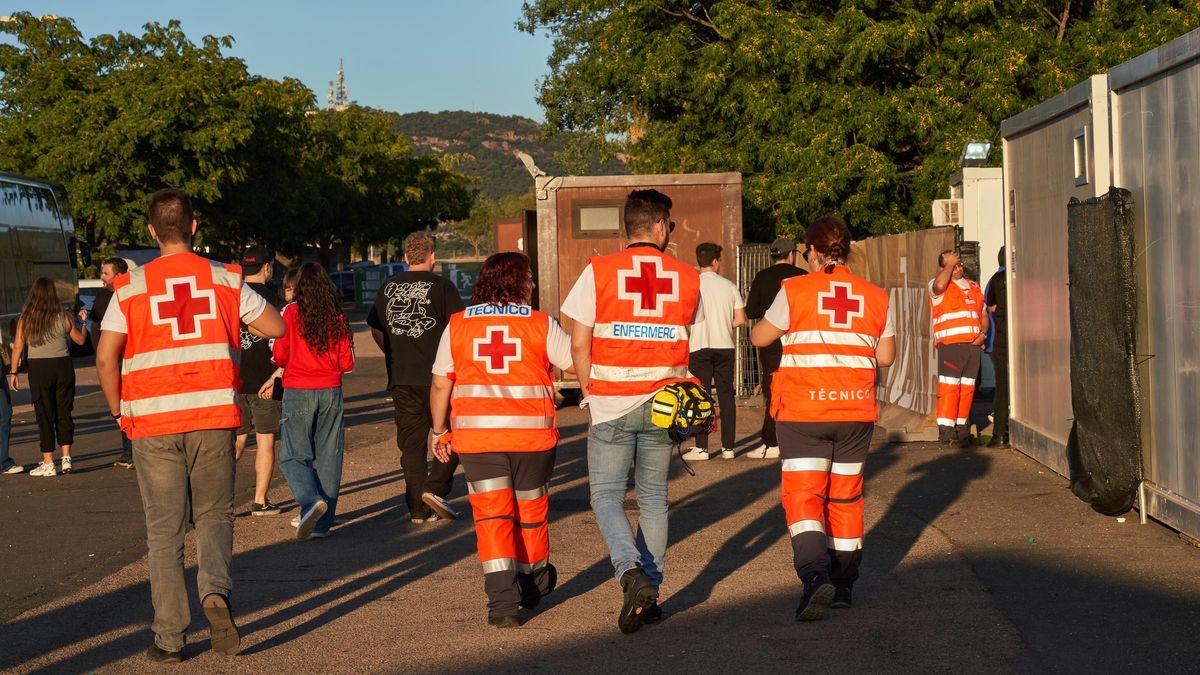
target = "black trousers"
x: 768, y: 360
x: 1000, y: 400
x: 714, y: 369
x: 52, y: 386
x: 413, y: 422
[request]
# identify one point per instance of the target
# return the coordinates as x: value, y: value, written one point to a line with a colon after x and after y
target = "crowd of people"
x: 194, y: 355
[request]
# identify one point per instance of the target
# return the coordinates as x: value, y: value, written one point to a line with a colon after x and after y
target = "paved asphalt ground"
x: 975, y: 560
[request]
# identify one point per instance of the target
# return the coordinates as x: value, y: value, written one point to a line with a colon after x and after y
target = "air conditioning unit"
x: 947, y: 212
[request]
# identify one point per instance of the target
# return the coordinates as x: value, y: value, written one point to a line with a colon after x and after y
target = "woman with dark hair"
x: 836, y: 330
x: 494, y: 361
x: 314, y: 352
x: 44, y: 327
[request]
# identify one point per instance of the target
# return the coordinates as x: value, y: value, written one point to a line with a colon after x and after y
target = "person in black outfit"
x: 407, y: 320
x: 110, y: 269
x: 996, y: 299
x: 763, y: 290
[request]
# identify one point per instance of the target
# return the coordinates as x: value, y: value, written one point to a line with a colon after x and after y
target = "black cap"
x: 783, y: 246
x: 257, y: 256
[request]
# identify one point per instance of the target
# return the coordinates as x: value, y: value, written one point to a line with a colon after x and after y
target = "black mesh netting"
x: 1104, y: 450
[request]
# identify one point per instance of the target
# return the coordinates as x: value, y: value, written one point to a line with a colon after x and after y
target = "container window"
x: 600, y: 219
x: 1079, y: 142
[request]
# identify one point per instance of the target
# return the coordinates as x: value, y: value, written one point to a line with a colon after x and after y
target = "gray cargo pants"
x: 185, y: 477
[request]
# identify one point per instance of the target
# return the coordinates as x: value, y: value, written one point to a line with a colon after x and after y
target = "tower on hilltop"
x: 338, y: 96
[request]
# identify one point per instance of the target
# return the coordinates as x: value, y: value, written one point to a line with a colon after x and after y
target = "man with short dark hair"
x: 410, y: 312
x: 110, y: 269
x: 713, y: 345
x: 632, y: 313
x: 763, y: 289
x: 167, y: 360
x: 996, y: 299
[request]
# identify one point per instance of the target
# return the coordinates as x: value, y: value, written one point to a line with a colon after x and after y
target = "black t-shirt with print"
x: 256, y: 352
x: 412, y: 309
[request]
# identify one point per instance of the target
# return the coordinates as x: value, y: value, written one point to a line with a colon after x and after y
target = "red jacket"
x: 303, y: 368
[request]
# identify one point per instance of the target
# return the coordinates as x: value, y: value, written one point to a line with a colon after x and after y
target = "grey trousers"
x: 185, y: 477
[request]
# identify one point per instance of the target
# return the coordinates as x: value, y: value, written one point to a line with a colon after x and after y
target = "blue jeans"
x: 5, y: 425
x: 311, y: 457
x: 611, y: 447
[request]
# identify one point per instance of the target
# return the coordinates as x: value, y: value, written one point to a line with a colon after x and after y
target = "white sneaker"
x: 15, y: 468
x: 727, y: 453
x: 336, y: 521
x: 696, y: 455
x: 764, y: 452
x: 66, y: 464
x: 44, y: 469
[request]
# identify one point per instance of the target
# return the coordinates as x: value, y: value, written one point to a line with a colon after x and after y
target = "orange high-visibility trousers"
x: 822, y: 484
x: 509, y: 495
x: 958, y: 367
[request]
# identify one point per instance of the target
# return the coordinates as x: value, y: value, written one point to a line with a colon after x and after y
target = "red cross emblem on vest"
x: 497, y: 350
x: 840, y: 304
x: 183, y: 307
x: 648, y: 286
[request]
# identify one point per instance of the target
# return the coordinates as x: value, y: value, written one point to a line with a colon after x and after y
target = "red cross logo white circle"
x: 840, y: 304
x: 648, y: 286
x: 497, y: 350
x: 183, y: 307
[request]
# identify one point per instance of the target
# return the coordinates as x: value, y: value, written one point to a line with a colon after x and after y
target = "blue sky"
x: 405, y: 55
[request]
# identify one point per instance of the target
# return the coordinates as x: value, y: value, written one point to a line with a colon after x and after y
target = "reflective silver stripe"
x: 838, y: 544
x: 501, y: 391
x: 489, y: 485
x: 945, y: 422
x: 176, y: 402
x: 806, y: 526
x: 530, y: 495
x: 173, y: 356
x: 611, y: 330
x: 136, y: 285
x: 942, y: 379
x: 501, y: 422
x: 530, y: 568
x: 806, y: 464
x: 829, y: 337
x: 499, y: 565
x: 961, y: 330
x: 967, y: 381
x: 961, y: 420
x: 223, y: 277
x: 967, y: 314
x: 847, y: 468
x: 827, y: 361
x: 637, y: 373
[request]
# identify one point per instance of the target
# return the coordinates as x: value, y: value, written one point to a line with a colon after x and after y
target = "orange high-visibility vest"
x: 645, y: 303
x: 180, y: 370
x: 827, y: 373
x: 956, y: 319
x: 503, y: 396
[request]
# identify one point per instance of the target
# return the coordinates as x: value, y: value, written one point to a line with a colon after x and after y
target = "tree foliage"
x: 116, y: 117
x: 859, y: 108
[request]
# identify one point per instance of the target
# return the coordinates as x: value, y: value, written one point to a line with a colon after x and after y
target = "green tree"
x: 478, y: 229
x: 853, y: 107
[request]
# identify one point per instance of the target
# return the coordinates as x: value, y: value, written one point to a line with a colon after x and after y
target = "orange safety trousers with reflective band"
x: 957, y: 371
x: 957, y: 318
x: 503, y: 396
x: 180, y: 367
x: 827, y: 373
x: 645, y: 303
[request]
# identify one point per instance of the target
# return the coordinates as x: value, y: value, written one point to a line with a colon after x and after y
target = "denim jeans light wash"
x: 181, y: 477
x: 313, y: 438
x: 611, y: 447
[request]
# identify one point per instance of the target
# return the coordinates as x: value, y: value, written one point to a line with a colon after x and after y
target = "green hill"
x: 493, y: 141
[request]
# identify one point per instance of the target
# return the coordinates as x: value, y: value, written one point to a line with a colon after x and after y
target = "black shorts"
x: 258, y: 415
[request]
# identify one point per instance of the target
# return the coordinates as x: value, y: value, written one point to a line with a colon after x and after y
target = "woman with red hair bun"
x: 836, y: 330
x: 494, y: 363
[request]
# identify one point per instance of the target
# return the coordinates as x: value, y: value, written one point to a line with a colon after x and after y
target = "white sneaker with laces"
x: 44, y: 469
x: 764, y: 452
x: 66, y: 464
x: 727, y: 453
x: 15, y: 468
x: 696, y: 454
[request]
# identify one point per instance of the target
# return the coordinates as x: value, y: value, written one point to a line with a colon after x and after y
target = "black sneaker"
x: 998, y: 443
x: 223, y: 632
x: 159, y: 655
x: 267, y: 509
x: 818, y: 593
x: 504, y: 621
x: 841, y: 598
x: 531, y: 595
x: 124, y: 462
x: 639, y: 595
x: 653, y: 613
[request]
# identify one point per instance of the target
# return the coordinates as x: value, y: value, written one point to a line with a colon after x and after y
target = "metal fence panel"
x: 751, y: 259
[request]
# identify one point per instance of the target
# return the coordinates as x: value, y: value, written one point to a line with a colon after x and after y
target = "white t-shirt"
x: 779, y: 314
x: 558, y: 350
x: 720, y: 299
x: 250, y: 306
x: 580, y: 305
